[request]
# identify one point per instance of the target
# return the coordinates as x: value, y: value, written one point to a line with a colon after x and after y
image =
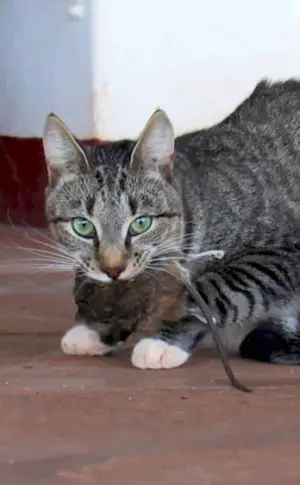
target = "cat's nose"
x: 114, y: 272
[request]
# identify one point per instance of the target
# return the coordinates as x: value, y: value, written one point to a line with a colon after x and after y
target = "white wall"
x: 45, y: 66
x: 105, y: 73
x: 195, y: 58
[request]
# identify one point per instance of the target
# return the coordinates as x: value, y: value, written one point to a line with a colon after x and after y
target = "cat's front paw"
x: 153, y: 353
x: 83, y: 340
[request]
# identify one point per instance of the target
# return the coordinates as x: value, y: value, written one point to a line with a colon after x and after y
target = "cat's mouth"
x: 103, y: 278
x: 126, y: 273
x: 98, y: 276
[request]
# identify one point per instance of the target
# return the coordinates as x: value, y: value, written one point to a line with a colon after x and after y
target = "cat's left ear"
x: 154, y: 149
x: 63, y: 153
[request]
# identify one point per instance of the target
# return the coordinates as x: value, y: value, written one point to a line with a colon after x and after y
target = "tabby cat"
x: 122, y: 212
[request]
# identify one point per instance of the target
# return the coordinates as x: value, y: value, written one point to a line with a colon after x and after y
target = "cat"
x: 122, y: 212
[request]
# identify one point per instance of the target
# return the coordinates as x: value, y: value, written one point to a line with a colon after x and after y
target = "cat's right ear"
x: 62, y: 152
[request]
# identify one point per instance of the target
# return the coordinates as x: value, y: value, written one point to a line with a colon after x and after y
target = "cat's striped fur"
x: 234, y: 187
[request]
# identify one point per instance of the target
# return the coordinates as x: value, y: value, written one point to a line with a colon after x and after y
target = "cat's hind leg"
x: 276, y: 340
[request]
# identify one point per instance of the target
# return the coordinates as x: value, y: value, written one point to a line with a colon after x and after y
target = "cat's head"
x: 114, y: 209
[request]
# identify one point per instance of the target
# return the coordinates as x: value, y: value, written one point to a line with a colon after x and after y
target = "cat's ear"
x: 62, y: 152
x: 154, y: 149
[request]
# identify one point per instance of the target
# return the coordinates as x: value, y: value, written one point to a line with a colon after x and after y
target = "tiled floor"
x: 99, y: 421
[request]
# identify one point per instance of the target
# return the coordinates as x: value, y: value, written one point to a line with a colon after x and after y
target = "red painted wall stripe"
x: 22, y: 180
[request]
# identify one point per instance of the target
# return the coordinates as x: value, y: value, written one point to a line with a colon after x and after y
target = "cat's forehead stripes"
x: 89, y: 204
x: 111, y: 163
x: 112, y: 155
x: 132, y: 204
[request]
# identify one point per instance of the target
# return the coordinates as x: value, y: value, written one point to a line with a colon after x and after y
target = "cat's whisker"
x: 57, y: 251
x: 170, y: 273
x: 24, y: 265
x: 42, y: 253
x: 32, y: 257
x: 185, y: 236
x: 151, y: 273
x: 55, y: 247
x: 67, y: 262
x: 49, y: 269
x: 33, y: 268
x: 51, y: 244
x: 43, y: 258
x: 84, y: 279
x: 174, y: 246
x: 180, y: 258
x: 216, y: 253
x: 175, y: 243
x: 34, y: 230
x: 181, y: 254
x: 164, y: 259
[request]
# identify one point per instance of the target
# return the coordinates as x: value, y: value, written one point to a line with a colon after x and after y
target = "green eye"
x: 83, y: 227
x: 140, y: 225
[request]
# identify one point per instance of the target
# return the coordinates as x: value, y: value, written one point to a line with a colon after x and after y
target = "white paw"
x: 153, y: 353
x: 83, y: 340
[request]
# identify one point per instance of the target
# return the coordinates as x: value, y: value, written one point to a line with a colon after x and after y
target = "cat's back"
x: 268, y: 118
x: 246, y: 169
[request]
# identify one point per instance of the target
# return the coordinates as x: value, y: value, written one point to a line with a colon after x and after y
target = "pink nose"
x: 114, y: 272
